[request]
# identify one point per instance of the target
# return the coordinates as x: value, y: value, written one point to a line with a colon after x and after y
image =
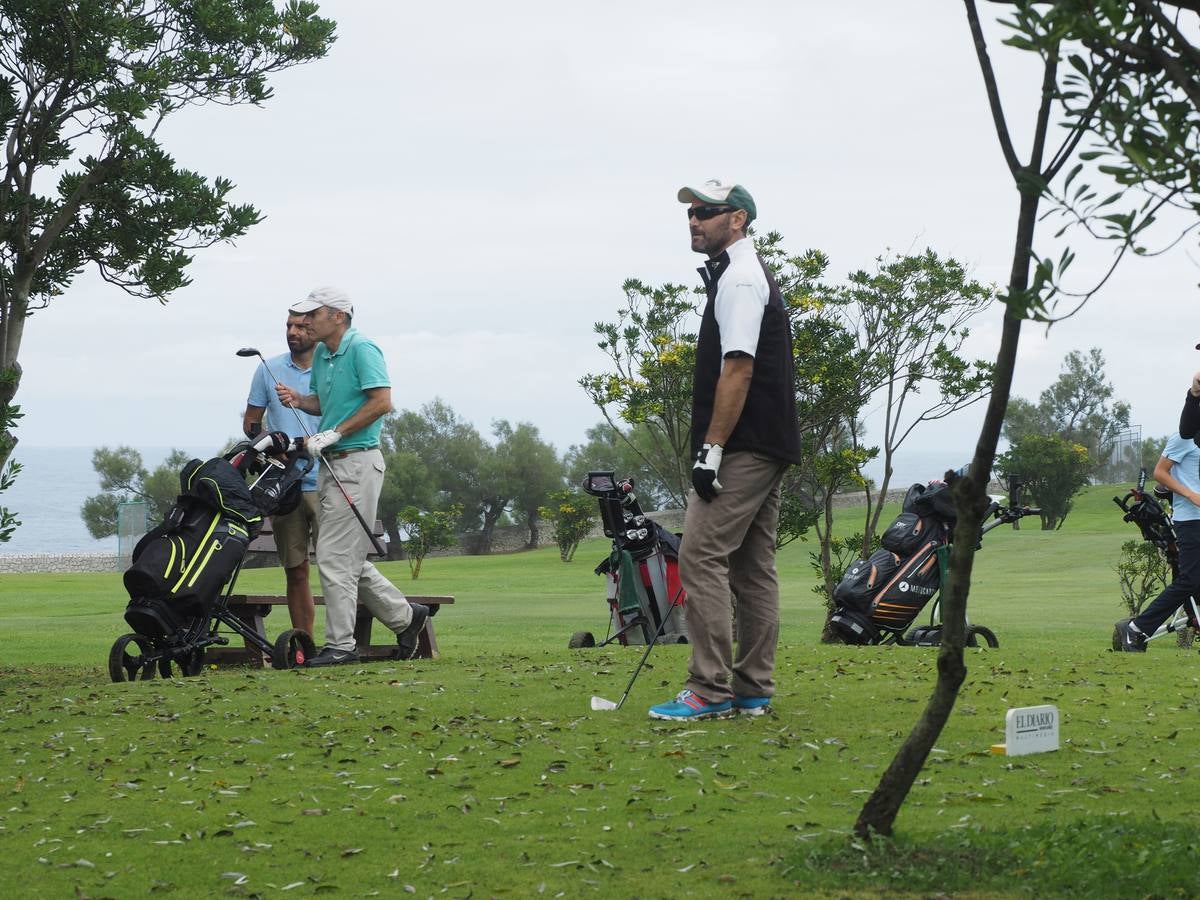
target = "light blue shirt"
x: 1185, y: 455
x: 280, y: 417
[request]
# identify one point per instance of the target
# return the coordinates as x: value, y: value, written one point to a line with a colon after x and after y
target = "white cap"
x: 334, y: 298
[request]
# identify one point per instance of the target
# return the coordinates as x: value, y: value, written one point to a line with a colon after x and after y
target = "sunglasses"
x: 704, y: 213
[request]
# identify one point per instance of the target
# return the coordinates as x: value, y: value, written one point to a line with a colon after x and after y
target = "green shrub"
x: 1143, y: 572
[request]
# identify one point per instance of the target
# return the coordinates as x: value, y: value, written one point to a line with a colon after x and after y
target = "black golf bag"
x: 878, y: 598
x: 180, y: 567
x: 184, y: 570
x: 1153, y: 519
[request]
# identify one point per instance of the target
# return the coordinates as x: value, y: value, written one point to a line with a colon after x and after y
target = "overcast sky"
x: 482, y: 178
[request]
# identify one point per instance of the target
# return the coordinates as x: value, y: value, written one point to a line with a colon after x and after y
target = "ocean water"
x: 911, y: 467
x: 49, y: 492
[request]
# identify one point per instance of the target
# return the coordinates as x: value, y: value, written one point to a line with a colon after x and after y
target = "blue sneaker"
x: 752, y: 706
x: 689, y: 705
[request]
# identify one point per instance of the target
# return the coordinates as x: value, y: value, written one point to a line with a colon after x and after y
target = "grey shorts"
x: 292, y: 531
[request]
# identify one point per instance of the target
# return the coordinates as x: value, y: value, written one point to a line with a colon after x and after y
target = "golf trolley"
x: 185, y: 569
x: 643, y: 590
x: 880, y: 597
x: 1151, y: 513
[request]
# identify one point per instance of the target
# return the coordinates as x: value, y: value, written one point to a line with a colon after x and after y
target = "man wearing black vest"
x: 744, y: 436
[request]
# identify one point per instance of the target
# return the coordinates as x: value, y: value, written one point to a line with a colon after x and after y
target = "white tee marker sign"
x: 1029, y: 729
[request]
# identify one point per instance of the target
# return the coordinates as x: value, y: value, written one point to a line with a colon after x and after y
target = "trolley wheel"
x: 975, y: 632
x: 924, y: 636
x: 581, y: 639
x: 126, y: 666
x: 190, y: 665
x: 292, y: 649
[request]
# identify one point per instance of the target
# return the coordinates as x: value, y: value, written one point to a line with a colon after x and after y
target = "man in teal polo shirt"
x: 351, y: 393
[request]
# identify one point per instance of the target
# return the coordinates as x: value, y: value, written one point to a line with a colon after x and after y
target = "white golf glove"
x: 704, y: 471
x: 322, y: 439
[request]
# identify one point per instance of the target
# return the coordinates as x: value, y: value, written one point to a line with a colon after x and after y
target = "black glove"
x: 704, y: 471
x: 1189, y: 419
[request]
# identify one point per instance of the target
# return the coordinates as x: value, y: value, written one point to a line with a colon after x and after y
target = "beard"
x: 712, y: 242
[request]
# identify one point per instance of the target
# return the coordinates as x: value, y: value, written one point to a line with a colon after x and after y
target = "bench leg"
x: 253, y: 616
x: 427, y: 647
x: 362, y: 629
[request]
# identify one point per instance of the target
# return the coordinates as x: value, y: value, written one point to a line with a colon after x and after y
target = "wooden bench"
x: 265, y: 542
x: 253, y: 608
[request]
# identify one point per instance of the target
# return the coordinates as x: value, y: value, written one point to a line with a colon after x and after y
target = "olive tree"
x: 85, y: 86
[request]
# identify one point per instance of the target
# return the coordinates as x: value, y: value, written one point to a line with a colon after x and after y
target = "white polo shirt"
x: 742, y: 295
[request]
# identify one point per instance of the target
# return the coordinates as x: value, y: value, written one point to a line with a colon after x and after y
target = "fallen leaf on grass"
x: 509, y: 763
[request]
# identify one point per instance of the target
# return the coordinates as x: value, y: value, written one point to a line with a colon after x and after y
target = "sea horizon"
x: 56, y: 480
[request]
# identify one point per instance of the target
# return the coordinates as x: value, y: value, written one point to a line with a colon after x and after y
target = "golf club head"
x: 249, y: 351
x: 599, y: 703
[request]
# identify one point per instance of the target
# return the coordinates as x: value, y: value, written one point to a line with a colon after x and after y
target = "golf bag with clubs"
x: 880, y: 597
x: 184, y: 570
x: 1151, y: 513
x: 641, y: 574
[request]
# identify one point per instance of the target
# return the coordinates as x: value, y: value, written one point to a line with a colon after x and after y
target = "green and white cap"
x: 717, y: 191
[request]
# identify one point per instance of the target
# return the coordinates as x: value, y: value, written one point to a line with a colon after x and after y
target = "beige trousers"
x: 347, y: 578
x: 729, y: 549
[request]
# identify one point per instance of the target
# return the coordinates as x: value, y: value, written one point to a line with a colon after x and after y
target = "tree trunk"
x: 828, y: 635
x: 873, y: 514
x: 879, y: 813
x: 492, y: 510
x: 12, y: 328
x: 395, y: 546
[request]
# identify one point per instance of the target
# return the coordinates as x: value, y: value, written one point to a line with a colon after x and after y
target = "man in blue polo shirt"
x: 1178, y: 470
x: 351, y: 393
x: 294, y: 530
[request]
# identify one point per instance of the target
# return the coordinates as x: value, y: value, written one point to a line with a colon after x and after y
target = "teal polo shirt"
x: 339, y: 379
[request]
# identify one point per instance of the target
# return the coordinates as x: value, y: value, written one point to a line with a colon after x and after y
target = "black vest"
x: 768, y: 421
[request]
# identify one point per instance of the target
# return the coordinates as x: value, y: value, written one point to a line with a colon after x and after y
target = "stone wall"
x: 17, y: 563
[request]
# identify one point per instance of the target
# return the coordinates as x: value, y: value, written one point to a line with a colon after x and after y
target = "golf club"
x: 599, y: 704
x: 251, y: 351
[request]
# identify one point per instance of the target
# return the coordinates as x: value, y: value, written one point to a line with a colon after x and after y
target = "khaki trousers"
x: 729, y: 549
x: 347, y: 579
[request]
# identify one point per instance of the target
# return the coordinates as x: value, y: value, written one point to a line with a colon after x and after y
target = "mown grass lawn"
x: 484, y: 773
